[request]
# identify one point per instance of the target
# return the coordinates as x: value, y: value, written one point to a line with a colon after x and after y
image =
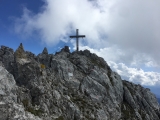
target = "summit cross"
x: 77, y: 36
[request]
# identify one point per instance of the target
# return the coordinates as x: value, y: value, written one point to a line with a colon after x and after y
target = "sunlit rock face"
x: 68, y: 86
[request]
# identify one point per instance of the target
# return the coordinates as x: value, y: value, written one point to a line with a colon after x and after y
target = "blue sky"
x: 124, y: 33
x: 9, y: 11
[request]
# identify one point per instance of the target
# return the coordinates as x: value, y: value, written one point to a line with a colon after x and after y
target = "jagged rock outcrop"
x: 70, y: 86
x: 10, y: 109
x: 44, y: 58
x: 7, y: 58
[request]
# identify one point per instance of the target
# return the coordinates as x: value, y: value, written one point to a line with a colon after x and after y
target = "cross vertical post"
x: 77, y: 39
x: 77, y: 36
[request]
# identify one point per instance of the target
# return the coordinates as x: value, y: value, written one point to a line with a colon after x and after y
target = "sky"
x: 124, y: 32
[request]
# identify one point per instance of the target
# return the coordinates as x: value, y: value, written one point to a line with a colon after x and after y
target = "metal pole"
x: 77, y: 39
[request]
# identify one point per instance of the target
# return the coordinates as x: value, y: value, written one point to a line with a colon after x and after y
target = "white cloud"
x: 112, y: 53
x: 135, y: 75
x: 147, y: 79
x: 123, y: 32
x: 133, y: 26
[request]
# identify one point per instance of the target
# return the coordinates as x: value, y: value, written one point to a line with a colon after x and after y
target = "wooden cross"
x: 77, y: 36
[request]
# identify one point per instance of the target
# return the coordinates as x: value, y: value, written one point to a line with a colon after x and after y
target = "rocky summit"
x: 68, y: 86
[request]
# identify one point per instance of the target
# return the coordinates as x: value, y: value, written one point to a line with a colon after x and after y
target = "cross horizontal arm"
x: 77, y: 36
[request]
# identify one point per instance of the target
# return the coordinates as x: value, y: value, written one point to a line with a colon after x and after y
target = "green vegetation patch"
x: 60, y: 118
x: 30, y: 109
x: 35, y: 112
x: 127, y: 111
x: 25, y: 103
x: 43, y: 66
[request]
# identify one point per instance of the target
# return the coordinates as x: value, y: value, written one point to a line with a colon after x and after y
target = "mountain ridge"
x: 69, y: 86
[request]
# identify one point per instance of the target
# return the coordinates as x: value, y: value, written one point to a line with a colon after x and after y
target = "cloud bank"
x: 132, y: 25
x: 123, y: 32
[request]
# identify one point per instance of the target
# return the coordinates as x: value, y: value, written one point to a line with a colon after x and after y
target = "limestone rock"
x: 65, y: 49
x: 45, y: 51
x: 9, y: 108
x: 69, y: 86
x: 7, y: 58
x: 44, y: 58
x: 20, y: 53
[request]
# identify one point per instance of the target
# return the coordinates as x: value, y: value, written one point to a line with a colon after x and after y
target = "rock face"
x: 10, y: 108
x: 68, y: 86
x: 158, y: 100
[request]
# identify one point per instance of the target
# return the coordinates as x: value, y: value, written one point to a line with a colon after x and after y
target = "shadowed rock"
x: 45, y: 51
